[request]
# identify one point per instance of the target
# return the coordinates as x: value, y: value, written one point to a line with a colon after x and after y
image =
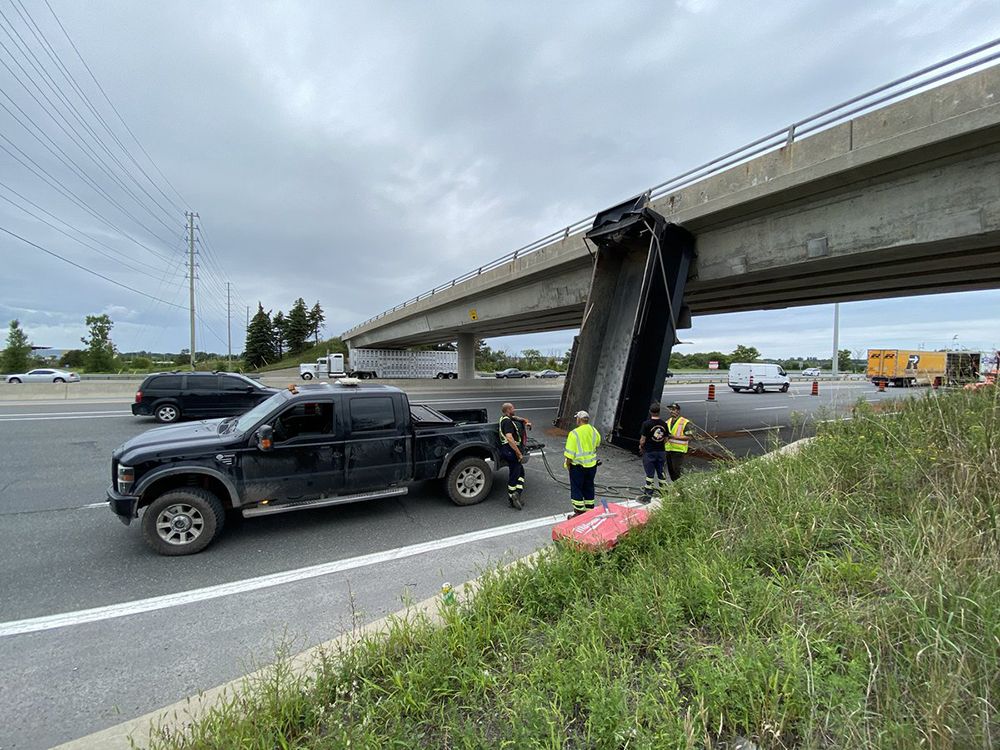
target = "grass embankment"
x: 844, y: 597
x: 310, y: 354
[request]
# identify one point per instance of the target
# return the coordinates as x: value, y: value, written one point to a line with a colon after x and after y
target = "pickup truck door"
x: 378, y: 451
x: 306, y: 461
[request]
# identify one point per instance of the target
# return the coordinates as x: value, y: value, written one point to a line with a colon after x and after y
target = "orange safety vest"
x: 677, y: 441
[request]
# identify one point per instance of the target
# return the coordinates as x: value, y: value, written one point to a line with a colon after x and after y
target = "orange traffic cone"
x: 751, y: 382
x: 881, y: 386
x: 711, y: 392
x: 815, y: 389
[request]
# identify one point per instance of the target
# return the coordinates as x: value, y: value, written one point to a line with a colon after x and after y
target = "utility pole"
x: 190, y: 216
x: 229, y: 328
x: 836, y: 339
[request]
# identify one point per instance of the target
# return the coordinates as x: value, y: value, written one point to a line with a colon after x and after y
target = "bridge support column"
x: 466, y: 356
x: 619, y: 361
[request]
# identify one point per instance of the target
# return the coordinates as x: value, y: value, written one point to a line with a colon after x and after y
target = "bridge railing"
x: 957, y: 65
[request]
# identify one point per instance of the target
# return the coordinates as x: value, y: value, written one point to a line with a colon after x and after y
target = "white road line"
x: 92, y: 505
x: 139, y: 606
x: 768, y: 408
x: 60, y: 413
x: 117, y: 415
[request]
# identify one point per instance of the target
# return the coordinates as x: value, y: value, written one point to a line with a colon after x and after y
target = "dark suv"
x: 168, y: 396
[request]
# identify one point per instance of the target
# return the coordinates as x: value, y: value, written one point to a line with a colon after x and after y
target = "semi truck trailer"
x: 909, y: 367
x: 401, y: 363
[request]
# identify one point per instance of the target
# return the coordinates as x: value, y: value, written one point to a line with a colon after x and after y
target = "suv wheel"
x: 167, y: 413
x: 469, y: 481
x: 182, y: 522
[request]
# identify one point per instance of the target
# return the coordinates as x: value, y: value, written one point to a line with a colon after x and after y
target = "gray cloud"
x: 360, y: 154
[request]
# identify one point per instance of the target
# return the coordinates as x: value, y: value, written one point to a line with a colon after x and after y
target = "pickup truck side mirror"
x: 265, y: 437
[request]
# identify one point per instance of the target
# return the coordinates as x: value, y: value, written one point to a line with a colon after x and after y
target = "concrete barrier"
x: 68, y: 391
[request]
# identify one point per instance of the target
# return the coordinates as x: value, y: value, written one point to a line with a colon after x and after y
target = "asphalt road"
x: 174, y: 626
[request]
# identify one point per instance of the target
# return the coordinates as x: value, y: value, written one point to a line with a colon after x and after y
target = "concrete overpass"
x: 901, y: 200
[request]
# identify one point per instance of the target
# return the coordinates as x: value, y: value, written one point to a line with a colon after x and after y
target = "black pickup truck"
x: 306, y: 447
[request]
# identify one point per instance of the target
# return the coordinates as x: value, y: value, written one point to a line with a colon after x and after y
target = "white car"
x: 811, y: 372
x: 44, y: 375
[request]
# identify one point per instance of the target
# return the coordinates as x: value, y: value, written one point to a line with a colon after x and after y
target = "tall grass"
x: 843, y: 597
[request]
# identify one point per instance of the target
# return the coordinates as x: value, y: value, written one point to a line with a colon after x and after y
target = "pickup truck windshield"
x: 252, y: 417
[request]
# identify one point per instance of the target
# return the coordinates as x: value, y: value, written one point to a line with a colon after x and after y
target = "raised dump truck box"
x: 908, y: 367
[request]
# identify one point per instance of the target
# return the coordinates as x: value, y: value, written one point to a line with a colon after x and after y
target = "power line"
x: 125, y: 261
x: 40, y: 67
x: 76, y: 139
x: 84, y: 268
x: 56, y: 89
x: 35, y: 168
x: 110, y: 103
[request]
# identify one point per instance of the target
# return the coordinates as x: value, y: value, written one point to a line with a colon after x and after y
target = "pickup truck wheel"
x: 182, y: 522
x: 307, y: 376
x: 469, y: 481
x: 167, y: 413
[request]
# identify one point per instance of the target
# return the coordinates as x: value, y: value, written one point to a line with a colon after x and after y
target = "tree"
x: 15, y: 356
x: 73, y: 358
x: 745, y: 354
x: 100, y: 350
x: 316, y: 319
x: 279, y: 324
x: 298, y: 329
x: 844, y: 360
x: 260, y: 339
x: 531, y: 357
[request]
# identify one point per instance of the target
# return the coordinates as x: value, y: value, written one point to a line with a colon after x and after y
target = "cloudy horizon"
x: 361, y: 154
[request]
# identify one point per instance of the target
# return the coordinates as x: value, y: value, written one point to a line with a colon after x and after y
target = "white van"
x: 756, y: 376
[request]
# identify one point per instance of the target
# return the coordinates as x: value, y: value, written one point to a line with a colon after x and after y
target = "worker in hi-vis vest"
x: 678, y: 438
x: 581, y: 462
x: 511, y: 452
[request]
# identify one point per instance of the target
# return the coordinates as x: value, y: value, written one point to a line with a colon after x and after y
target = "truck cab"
x: 330, y: 366
x: 309, y: 446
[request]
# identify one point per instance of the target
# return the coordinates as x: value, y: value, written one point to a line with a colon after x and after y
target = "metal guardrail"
x: 894, y: 90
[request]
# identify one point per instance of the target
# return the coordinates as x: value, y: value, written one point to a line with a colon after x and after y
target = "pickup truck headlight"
x: 126, y: 479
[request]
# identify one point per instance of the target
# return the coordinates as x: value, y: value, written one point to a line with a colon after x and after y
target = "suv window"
x: 372, y: 414
x: 203, y: 383
x: 304, y: 419
x: 229, y: 383
x: 165, y: 383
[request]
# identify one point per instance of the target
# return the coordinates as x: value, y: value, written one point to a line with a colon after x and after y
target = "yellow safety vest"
x: 677, y: 441
x: 581, y: 446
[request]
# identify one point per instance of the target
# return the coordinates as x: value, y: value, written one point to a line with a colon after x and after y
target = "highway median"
x: 846, y: 594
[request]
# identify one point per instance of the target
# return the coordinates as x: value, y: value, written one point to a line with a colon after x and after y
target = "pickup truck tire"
x: 307, y: 376
x: 469, y: 481
x: 167, y: 413
x: 183, y: 521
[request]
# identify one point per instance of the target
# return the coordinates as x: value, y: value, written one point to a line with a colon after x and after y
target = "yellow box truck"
x: 906, y: 367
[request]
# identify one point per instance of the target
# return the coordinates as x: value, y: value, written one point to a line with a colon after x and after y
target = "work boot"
x: 645, y: 498
x: 515, y: 500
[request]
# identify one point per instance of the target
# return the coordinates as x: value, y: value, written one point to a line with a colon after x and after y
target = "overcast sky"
x: 360, y: 153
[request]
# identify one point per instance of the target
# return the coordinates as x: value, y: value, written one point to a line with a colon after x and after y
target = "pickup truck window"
x: 304, y: 419
x: 368, y: 414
